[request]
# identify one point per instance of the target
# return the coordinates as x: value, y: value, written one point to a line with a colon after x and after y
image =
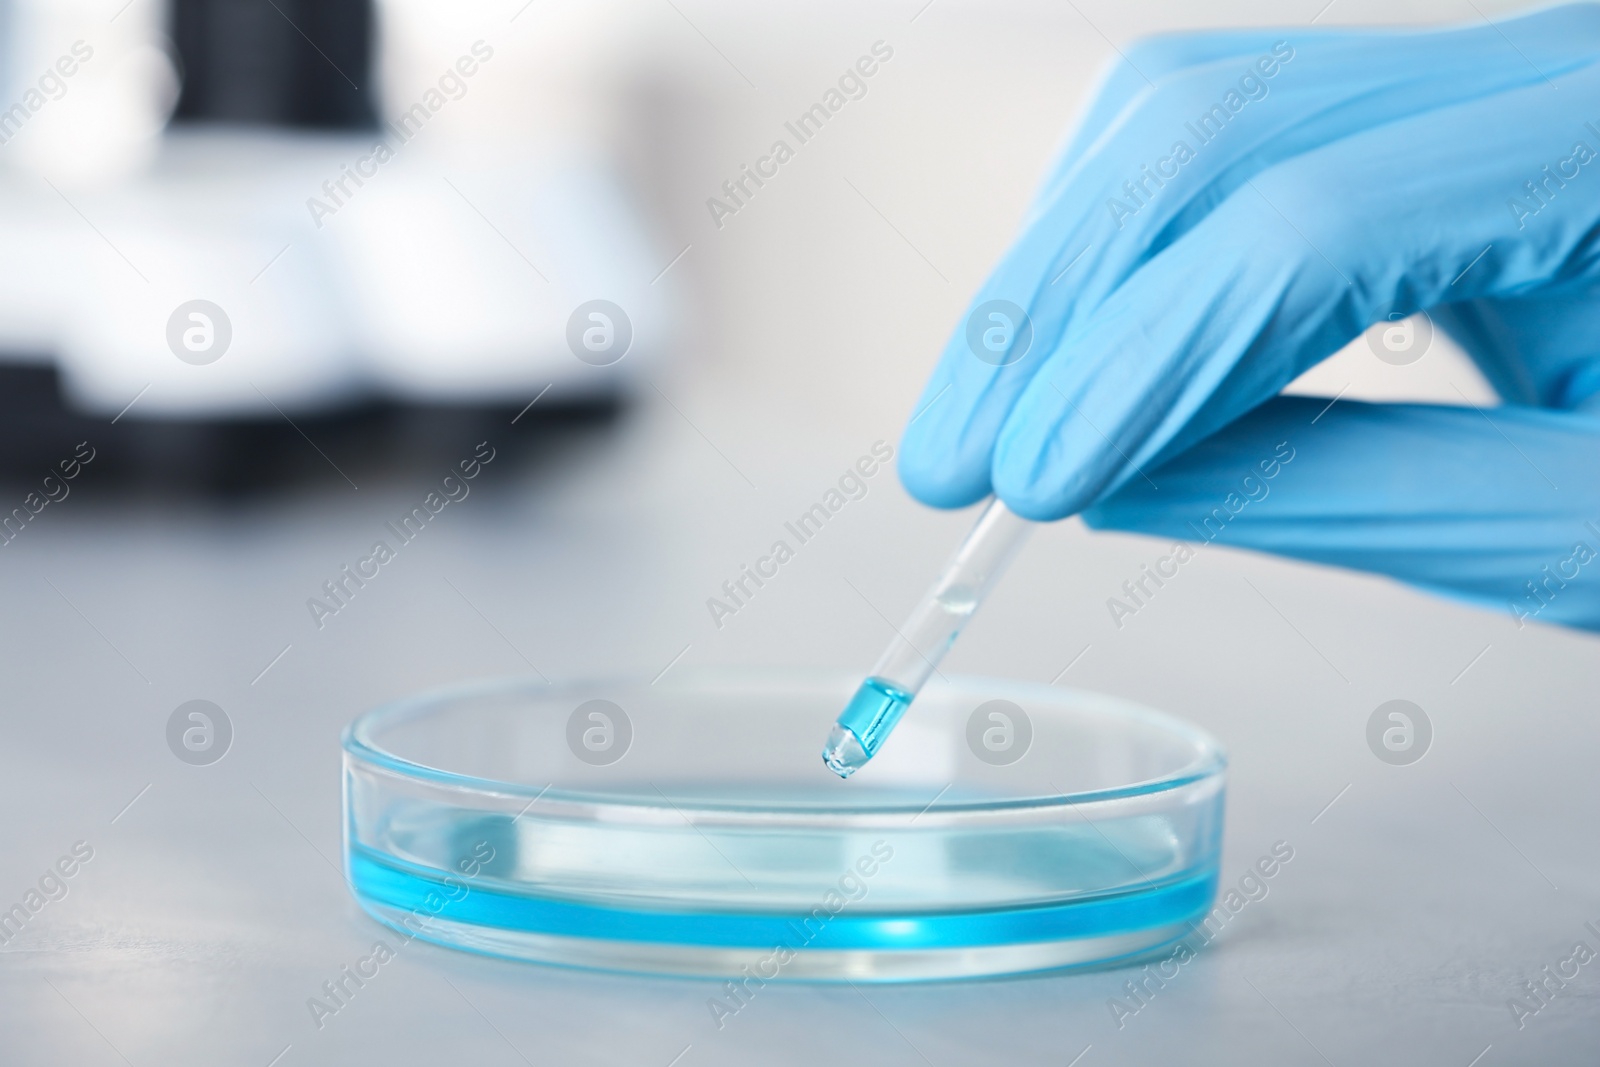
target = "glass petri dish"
x: 689, y: 827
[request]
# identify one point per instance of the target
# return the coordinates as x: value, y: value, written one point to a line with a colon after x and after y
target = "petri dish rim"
x: 1209, y: 759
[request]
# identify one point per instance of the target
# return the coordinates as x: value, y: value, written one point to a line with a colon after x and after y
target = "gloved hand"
x: 1237, y: 207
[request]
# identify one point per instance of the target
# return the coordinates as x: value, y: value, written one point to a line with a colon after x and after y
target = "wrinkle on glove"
x: 1499, y: 508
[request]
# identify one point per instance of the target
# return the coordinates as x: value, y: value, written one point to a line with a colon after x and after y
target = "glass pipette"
x: 917, y: 648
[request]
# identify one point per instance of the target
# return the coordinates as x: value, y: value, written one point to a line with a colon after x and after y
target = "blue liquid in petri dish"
x: 716, y: 845
x: 861, y: 728
x: 427, y: 898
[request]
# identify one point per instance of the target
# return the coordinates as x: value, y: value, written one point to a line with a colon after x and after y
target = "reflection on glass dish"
x: 688, y: 827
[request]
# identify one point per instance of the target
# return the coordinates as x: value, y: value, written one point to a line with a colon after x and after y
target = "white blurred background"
x: 202, y: 149
x: 213, y: 149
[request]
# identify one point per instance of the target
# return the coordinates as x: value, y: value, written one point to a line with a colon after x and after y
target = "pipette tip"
x: 843, y: 753
x: 862, y: 726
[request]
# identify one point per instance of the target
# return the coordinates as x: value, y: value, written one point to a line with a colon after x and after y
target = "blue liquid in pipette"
x: 863, y: 725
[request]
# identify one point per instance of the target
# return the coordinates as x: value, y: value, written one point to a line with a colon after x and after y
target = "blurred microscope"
x: 257, y: 212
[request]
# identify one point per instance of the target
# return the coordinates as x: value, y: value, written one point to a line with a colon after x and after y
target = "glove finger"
x: 1084, y: 240
x: 1284, y: 274
x: 1499, y: 508
x: 1137, y: 72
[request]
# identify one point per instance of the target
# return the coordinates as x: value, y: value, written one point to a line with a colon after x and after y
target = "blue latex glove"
x: 1239, y: 206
